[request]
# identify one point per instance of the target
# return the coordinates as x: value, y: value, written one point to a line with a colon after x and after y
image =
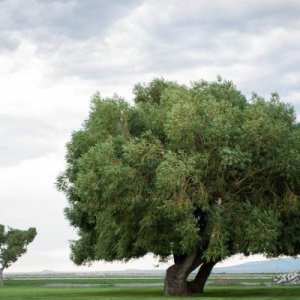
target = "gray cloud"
x: 8, y: 41
x: 48, y: 20
x: 91, y: 18
x: 163, y: 37
x: 54, y: 54
x: 25, y: 138
x: 114, y: 43
x: 181, y: 36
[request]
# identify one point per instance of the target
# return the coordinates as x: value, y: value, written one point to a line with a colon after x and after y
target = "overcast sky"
x: 54, y: 55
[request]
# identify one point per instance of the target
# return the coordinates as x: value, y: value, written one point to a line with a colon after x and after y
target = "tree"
x: 195, y: 173
x: 13, y: 244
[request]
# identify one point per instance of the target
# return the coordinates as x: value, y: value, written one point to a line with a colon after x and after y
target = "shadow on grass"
x: 253, y: 292
x: 151, y: 293
x: 222, y: 293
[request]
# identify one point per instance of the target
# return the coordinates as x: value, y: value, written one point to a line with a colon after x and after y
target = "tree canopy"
x: 13, y: 244
x: 197, y: 173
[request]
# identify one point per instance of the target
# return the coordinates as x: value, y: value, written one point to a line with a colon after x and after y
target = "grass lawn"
x: 35, y: 289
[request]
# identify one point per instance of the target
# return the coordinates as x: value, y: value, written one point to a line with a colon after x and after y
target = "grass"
x: 36, y: 290
x: 106, y: 281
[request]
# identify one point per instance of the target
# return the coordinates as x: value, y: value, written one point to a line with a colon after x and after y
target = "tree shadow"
x: 257, y: 292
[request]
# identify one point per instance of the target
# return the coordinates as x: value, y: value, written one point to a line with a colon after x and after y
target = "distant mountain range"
x: 279, y: 265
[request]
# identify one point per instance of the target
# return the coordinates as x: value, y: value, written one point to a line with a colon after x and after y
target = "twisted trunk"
x: 176, y: 275
x: 196, y: 286
x: 176, y: 280
x: 176, y: 283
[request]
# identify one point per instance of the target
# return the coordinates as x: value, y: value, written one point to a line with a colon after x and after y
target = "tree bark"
x: 196, y: 286
x: 177, y: 274
x: 1, y: 277
x: 176, y: 283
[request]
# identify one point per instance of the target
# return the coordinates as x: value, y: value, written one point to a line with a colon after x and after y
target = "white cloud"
x: 55, y: 54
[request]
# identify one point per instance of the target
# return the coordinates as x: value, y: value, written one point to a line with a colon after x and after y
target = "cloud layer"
x: 55, y: 54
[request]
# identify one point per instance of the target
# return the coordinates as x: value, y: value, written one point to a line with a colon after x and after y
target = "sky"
x: 55, y: 54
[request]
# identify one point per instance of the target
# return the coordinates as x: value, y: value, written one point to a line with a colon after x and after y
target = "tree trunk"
x: 196, y: 286
x: 175, y: 282
x: 176, y: 275
x: 1, y: 277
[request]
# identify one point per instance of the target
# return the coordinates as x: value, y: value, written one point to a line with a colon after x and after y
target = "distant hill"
x: 279, y: 265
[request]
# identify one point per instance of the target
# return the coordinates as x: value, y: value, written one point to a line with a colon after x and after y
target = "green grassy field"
x: 219, y: 288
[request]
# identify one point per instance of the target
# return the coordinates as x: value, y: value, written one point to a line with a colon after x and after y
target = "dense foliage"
x: 13, y: 244
x: 185, y: 169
